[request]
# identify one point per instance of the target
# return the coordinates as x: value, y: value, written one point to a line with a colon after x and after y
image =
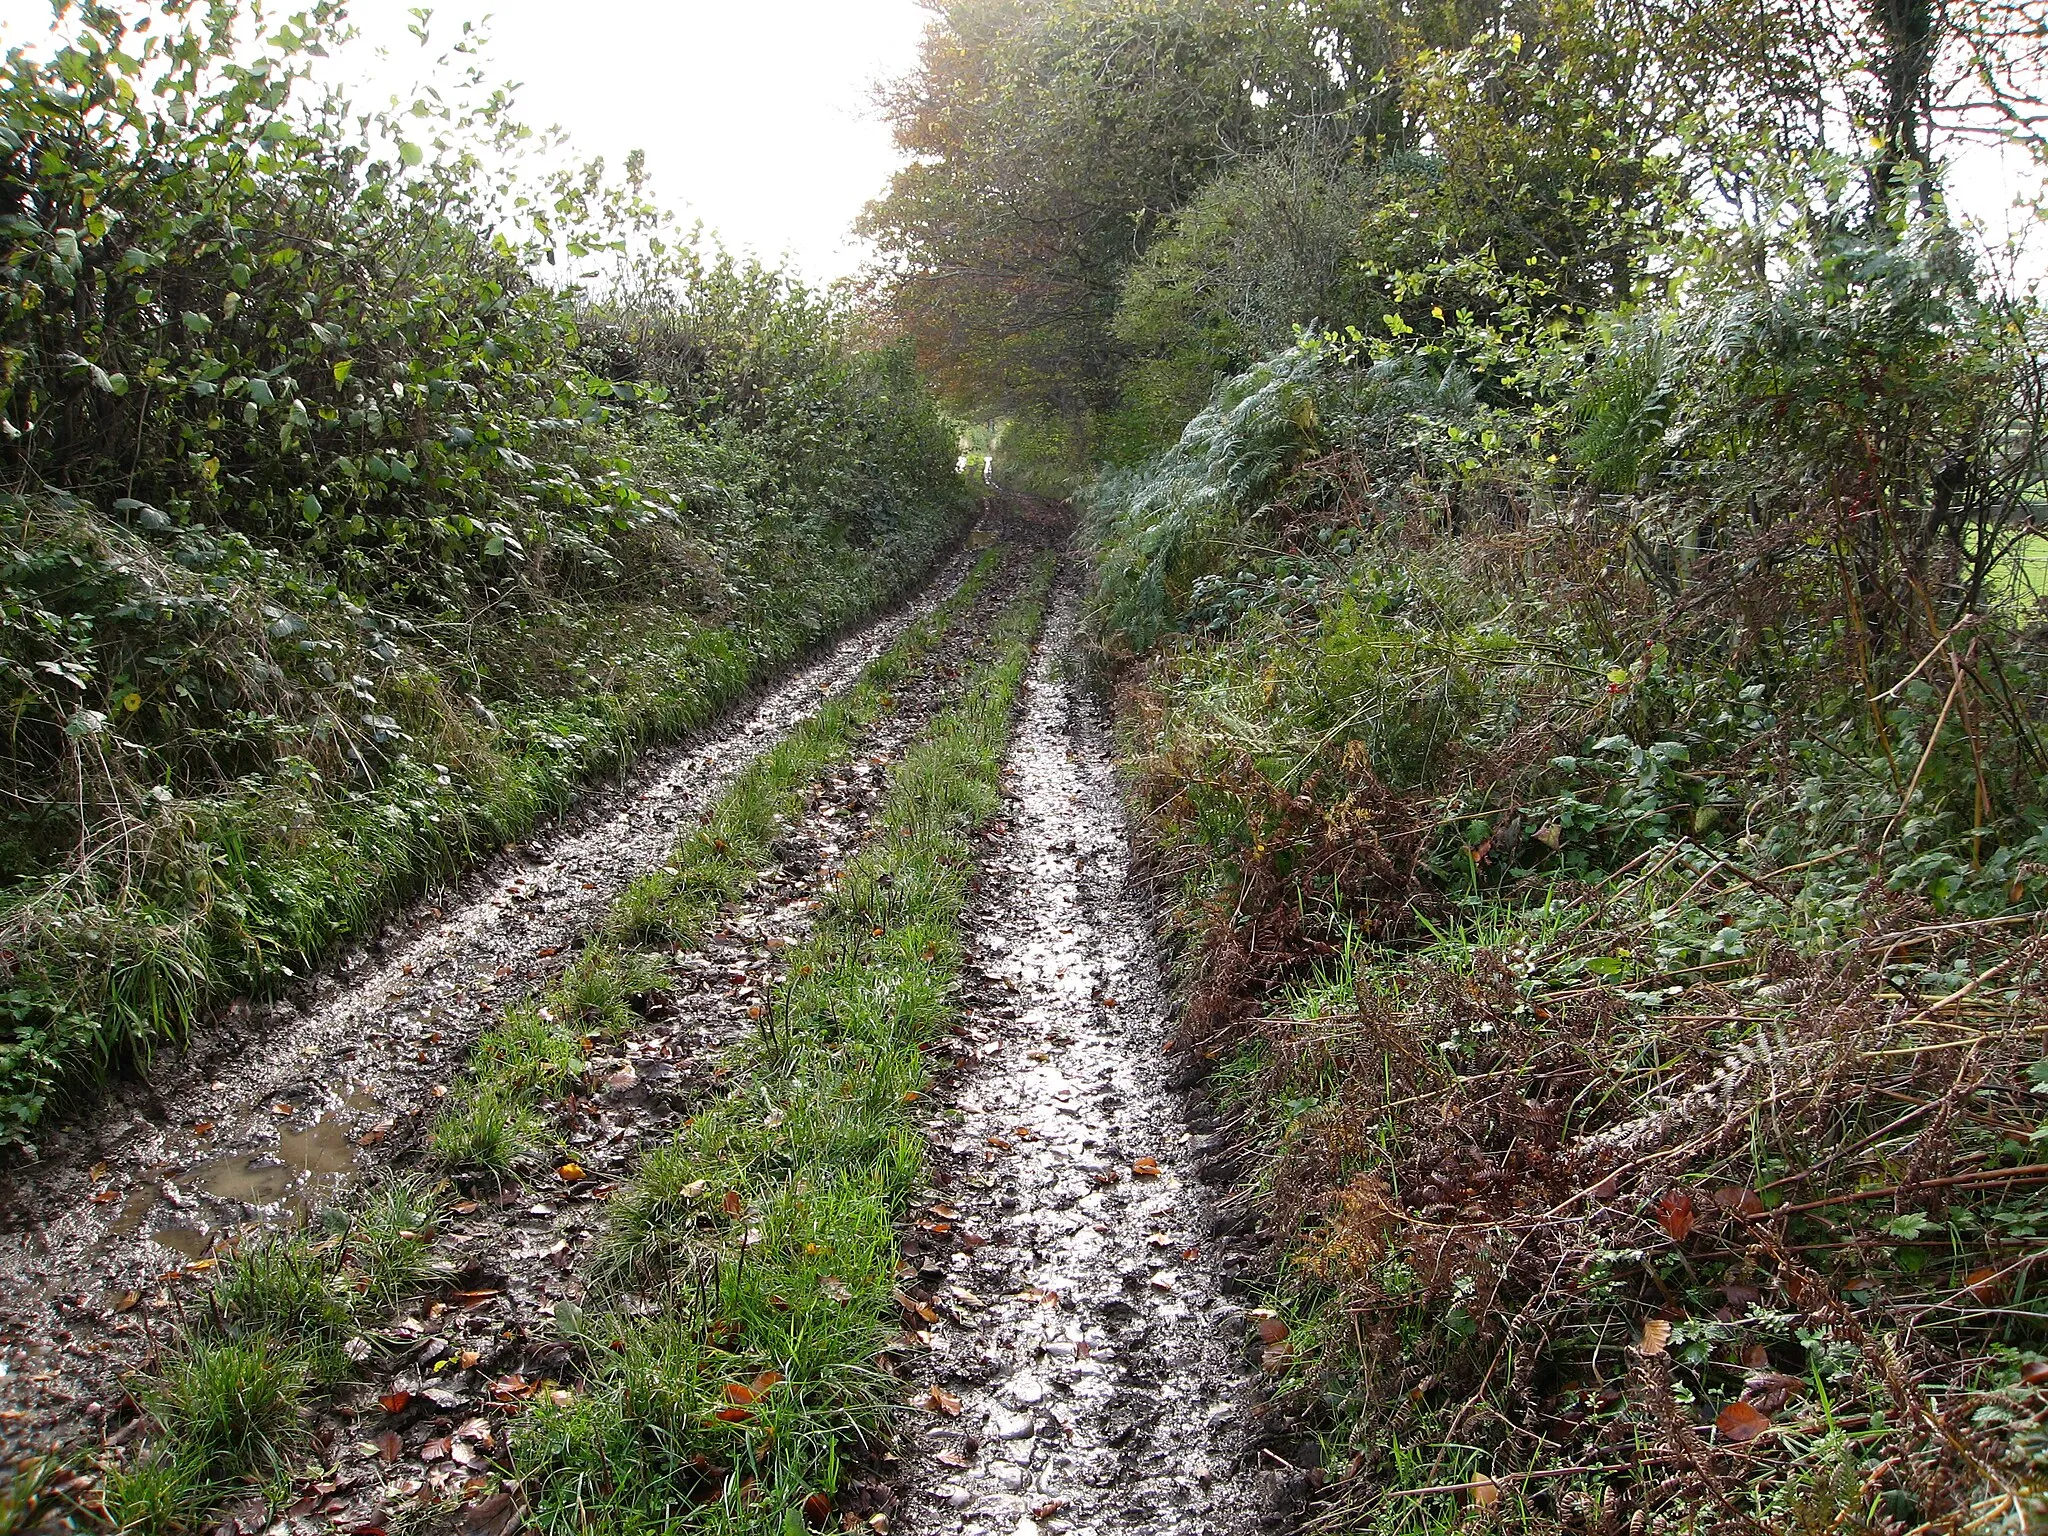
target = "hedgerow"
x: 339, y: 540
x: 1604, y: 812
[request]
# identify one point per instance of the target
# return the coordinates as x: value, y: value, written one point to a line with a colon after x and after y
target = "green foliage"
x: 388, y: 1240
x: 1549, y: 164
x: 1042, y: 454
x: 208, y: 886
x: 1868, y: 384
x: 290, y: 1293
x: 229, y: 1409
x: 1265, y: 247
x: 354, y: 549
x: 490, y: 1121
x: 225, y: 1406
x: 534, y: 1052
x: 250, y: 319
x: 779, y: 400
x: 595, y: 994
x: 159, y: 1494
x: 1049, y: 141
x: 650, y: 1442
x: 485, y: 1129
x: 1169, y: 531
x: 1569, y: 753
x: 1860, y: 420
x: 1113, y: 203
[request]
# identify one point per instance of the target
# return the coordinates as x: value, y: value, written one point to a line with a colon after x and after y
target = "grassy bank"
x: 337, y: 548
x: 203, y: 897
x: 1611, y: 928
x: 764, y: 1233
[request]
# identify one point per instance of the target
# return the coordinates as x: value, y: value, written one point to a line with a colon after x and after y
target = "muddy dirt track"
x: 277, y: 1108
x: 1092, y: 1356
x: 1086, y: 1371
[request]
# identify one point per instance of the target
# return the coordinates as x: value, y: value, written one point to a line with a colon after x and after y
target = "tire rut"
x: 456, y: 1364
x: 279, y: 1108
x: 1089, y: 1373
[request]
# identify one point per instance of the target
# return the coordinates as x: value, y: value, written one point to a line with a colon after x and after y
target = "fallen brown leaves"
x: 1808, y: 1158
x: 749, y: 1393
x: 1741, y: 1422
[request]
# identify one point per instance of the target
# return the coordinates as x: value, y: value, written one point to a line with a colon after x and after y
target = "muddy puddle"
x: 1088, y: 1373
x: 278, y: 1110
x: 190, y: 1209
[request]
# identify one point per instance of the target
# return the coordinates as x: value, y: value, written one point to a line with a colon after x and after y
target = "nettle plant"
x: 226, y: 302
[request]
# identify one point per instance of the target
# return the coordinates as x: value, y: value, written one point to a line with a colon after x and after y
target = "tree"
x: 1270, y: 244
x: 1051, y: 139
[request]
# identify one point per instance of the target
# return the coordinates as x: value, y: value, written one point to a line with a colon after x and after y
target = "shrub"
x: 1593, y: 859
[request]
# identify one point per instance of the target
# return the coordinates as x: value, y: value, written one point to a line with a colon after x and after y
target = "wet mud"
x: 1078, y: 1363
x: 1086, y: 1372
x: 277, y: 1110
x: 425, y: 1428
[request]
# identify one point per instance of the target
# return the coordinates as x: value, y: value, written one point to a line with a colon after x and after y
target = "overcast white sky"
x: 755, y: 114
